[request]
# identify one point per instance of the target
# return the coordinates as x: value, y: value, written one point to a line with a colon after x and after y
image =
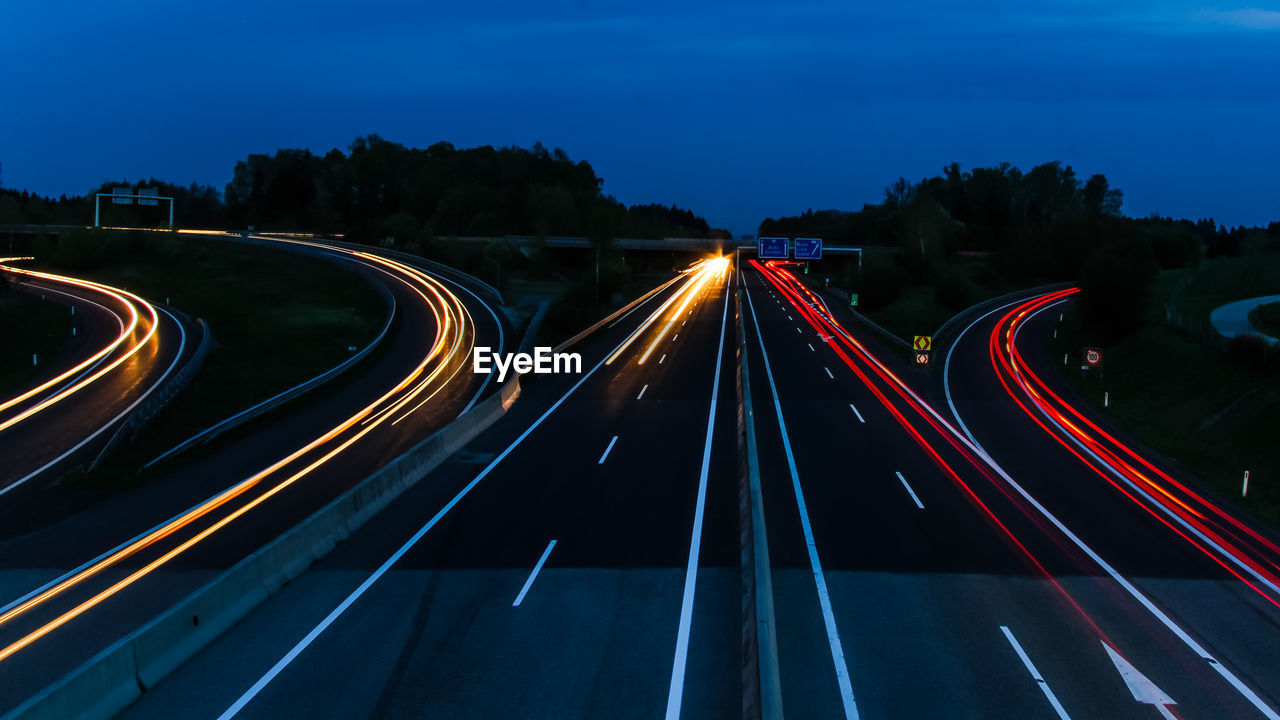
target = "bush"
x: 881, y: 283
x: 953, y: 290
x: 1114, y: 287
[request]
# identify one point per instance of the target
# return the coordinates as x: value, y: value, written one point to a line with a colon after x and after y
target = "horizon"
x: 737, y: 117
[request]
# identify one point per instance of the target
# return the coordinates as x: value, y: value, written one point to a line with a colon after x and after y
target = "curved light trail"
x: 139, y: 312
x: 454, y: 337
x: 1217, y: 533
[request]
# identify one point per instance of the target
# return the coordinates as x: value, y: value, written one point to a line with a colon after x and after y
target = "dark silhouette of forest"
x: 378, y: 189
x: 1043, y: 225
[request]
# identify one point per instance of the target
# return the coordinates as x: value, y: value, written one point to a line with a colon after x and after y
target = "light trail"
x: 135, y: 306
x: 712, y: 268
x: 984, y: 464
x: 446, y: 350
x: 1235, y: 541
x: 691, y: 271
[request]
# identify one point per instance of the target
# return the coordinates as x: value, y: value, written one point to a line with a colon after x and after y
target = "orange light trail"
x: 130, y: 301
x: 452, y: 324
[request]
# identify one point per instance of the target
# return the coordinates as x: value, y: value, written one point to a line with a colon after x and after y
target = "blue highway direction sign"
x: 808, y: 248
x: 773, y: 247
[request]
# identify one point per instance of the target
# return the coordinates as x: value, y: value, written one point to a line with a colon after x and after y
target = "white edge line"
x: 675, y: 694
x: 315, y: 632
x: 820, y: 582
x: 1124, y: 583
x: 529, y: 583
x: 177, y: 357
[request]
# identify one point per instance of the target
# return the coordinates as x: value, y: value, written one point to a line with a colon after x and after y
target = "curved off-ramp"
x: 1232, y: 319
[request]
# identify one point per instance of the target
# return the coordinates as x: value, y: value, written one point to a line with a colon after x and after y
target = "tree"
x: 899, y: 193
x: 1100, y: 199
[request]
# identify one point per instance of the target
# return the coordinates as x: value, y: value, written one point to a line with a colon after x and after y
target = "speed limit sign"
x: 1092, y: 357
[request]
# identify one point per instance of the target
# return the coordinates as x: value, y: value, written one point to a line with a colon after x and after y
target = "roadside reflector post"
x: 73, y: 309
x: 1244, y: 491
x: 1059, y: 317
x: 33, y: 359
x: 1064, y: 358
x: 1106, y: 399
x: 1055, y: 333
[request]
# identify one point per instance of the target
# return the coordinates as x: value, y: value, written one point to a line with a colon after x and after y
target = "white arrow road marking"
x: 1144, y: 691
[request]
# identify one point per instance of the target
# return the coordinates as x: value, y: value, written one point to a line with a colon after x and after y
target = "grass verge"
x: 29, y: 326
x: 1266, y: 319
x: 1187, y: 400
x: 278, y: 318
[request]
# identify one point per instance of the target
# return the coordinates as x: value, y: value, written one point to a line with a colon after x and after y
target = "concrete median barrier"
x: 117, y: 676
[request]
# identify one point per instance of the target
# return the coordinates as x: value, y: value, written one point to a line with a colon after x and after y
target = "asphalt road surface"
x: 953, y: 542
x: 74, y: 586
x: 124, y: 350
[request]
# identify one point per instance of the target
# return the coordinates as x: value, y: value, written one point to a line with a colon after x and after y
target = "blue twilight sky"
x: 737, y: 110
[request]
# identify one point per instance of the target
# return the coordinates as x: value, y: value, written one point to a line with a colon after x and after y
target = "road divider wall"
x: 146, y: 412
x: 761, y: 676
x: 119, y: 675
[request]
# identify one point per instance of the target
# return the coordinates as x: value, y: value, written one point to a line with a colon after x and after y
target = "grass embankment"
x: 920, y: 309
x: 29, y: 326
x: 278, y: 318
x: 916, y: 311
x: 1186, y: 399
x: 1266, y: 319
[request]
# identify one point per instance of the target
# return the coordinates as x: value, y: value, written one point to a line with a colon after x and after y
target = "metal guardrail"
x: 146, y: 412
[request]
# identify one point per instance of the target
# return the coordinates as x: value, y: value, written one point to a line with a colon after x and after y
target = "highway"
x: 471, y: 610
x: 125, y: 349
x: 941, y: 582
x: 964, y: 541
x: 73, y: 586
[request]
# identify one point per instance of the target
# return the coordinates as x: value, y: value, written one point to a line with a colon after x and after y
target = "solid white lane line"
x: 182, y: 344
x: 855, y: 412
x: 967, y: 438
x: 819, y: 579
x: 646, y: 387
x: 824, y: 367
x: 675, y: 694
x: 913, y: 492
x: 811, y: 347
x: 315, y: 632
x: 1122, y: 477
x: 529, y: 583
x: 664, y: 357
x: 606, y: 450
x: 1026, y: 661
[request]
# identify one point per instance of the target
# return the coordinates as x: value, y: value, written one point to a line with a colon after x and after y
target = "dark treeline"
x: 380, y: 189
x: 1044, y: 225
x: 194, y: 206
